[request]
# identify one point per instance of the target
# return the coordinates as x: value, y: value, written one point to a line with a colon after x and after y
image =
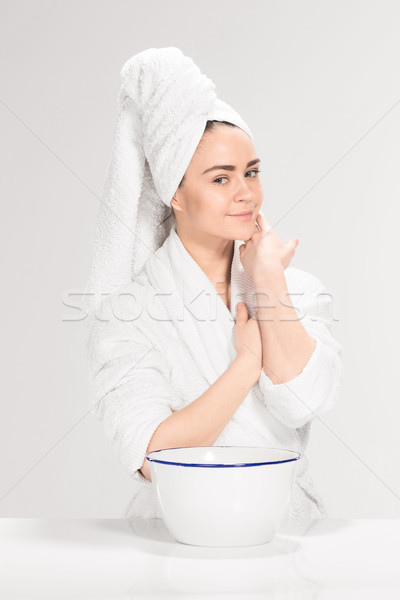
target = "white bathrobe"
x: 159, y: 342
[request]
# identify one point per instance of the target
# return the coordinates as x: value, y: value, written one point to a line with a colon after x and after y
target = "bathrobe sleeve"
x: 316, y: 390
x: 129, y: 388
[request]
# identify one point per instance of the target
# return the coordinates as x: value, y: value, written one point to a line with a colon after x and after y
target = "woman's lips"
x: 243, y: 217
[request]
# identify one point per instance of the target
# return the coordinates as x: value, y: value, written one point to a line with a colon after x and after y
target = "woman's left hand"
x: 265, y: 253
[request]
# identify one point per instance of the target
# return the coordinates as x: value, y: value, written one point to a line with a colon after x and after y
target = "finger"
x: 263, y: 222
x: 241, y: 311
x: 293, y: 243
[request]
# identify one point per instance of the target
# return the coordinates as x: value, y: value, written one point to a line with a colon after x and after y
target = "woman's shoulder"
x: 303, y: 281
x: 309, y: 294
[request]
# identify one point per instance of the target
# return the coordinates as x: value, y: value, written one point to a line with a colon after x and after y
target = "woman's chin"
x: 245, y: 229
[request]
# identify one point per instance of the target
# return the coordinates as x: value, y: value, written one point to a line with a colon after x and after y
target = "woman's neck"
x: 213, y: 255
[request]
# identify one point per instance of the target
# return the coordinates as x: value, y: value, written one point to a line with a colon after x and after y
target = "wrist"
x: 249, y: 364
x: 271, y: 294
x: 270, y: 277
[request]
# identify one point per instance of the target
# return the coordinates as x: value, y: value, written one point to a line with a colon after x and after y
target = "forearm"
x: 201, y: 422
x: 286, y: 345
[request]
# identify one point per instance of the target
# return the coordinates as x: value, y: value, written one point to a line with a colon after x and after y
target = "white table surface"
x: 134, y: 559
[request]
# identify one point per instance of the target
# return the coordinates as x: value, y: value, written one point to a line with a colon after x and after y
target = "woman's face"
x: 209, y: 196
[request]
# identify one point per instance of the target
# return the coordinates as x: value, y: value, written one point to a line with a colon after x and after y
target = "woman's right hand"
x: 247, y: 340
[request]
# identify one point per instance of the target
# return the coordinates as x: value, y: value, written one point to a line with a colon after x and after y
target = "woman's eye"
x: 219, y: 179
x: 256, y: 171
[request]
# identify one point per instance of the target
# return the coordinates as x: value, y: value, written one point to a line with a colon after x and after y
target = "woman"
x: 203, y: 345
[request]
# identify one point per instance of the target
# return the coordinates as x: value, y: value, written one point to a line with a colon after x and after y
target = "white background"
x: 318, y: 83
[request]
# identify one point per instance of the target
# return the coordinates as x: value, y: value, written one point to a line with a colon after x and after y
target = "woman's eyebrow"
x: 231, y: 167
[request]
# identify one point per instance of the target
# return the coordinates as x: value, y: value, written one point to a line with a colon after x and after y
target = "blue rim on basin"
x: 220, y: 465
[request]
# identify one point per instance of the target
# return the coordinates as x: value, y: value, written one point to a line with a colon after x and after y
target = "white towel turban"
x: 163, y: 107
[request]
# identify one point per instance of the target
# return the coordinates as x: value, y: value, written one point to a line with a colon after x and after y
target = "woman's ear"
x: 175, y: 203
